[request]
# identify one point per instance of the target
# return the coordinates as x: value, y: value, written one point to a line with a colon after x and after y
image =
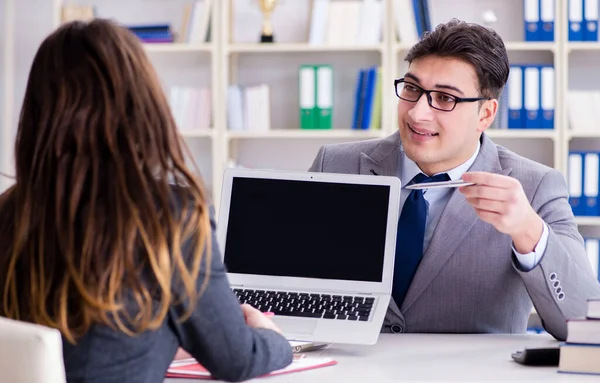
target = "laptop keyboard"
x: 342, y: 307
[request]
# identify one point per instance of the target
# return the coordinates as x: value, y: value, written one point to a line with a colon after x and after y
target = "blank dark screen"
x: 307, y: 229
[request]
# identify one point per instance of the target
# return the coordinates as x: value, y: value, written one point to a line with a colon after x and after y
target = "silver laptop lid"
x: 301, y: 230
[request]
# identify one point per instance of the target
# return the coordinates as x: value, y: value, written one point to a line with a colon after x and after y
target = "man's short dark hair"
x: 475, y: 44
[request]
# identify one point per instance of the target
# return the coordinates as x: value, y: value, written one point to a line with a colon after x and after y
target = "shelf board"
x: 399, y: 47
x: 197, y: 133
x: 587, y: 221
x: 571, y: 134
x: 521, y: 133
x: 510, y: 46
x: 177, y: 47
x: 582, y: 46
x: 306, y: 134
x: 530, y: 46
x: 300, y: 47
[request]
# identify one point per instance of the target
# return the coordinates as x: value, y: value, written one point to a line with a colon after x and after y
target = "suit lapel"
x: 383, y: 160
x: 458, y: 217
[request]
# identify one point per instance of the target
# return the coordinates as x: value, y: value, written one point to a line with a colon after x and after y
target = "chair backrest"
x: 30, y: 353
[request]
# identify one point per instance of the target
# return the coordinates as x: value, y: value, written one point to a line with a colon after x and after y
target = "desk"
x: 431, y: 357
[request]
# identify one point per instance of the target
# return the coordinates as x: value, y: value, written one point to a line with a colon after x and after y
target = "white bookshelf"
x: 570, y: 134
x: 582, y: 46
x: 287, y: 147
x: 588, y: 221
x: 301, y: 47
x: 204, y: 144
x: 522, y: 134
x: 237, y: 61
x: 572, y: 75
x: 198, y: 133
x: 8, y: 108
x: 307, y: 134
x: 179, y: 48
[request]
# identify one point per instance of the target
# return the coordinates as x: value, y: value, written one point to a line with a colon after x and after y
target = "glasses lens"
x: 442, y: 101
x: 408, y: 91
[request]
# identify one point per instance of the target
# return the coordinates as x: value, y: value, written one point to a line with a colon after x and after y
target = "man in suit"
x: 471, y: 259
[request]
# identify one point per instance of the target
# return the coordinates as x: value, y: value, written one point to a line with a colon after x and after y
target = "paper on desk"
x: 183, y: 362
x: 297, y: 346
x: 195, y: 370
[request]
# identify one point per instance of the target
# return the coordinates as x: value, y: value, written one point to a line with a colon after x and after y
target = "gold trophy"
x: 267, y: 6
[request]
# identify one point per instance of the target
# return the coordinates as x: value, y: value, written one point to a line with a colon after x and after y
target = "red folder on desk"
x: 194, y: 370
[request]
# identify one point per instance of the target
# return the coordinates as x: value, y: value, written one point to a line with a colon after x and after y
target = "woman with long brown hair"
x: 106, y: 234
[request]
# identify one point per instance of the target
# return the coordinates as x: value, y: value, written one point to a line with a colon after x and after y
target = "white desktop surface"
x: 430, y: 357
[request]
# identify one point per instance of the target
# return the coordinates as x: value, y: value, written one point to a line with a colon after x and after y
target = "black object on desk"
x: 538, y: 356
x: 307, y: 346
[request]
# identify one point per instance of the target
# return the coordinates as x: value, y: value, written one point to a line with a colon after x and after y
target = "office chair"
x: 30, y: 353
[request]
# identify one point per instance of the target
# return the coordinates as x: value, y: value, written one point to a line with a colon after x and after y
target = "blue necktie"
x: 411, y: 234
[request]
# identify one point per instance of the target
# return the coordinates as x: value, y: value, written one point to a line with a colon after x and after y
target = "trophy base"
x: 267, y: 39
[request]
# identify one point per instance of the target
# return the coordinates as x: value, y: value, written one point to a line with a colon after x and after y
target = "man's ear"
x: 487, y: 113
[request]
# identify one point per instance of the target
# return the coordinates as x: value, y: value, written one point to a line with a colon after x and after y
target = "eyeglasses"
x: 445, y: 102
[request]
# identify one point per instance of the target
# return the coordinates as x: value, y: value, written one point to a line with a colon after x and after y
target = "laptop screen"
x: 307, y: 229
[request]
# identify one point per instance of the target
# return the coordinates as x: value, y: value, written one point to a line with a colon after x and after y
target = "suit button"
x: 397, y: 329
x: 561, y: 296
x: 553, y: 276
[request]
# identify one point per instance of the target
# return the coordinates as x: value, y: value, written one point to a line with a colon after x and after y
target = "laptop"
x: 316, y: 249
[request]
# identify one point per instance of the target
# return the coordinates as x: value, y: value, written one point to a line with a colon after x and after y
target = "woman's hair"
x: 103, y: 202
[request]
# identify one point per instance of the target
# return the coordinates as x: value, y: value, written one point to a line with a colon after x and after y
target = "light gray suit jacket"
x: 468, y: 281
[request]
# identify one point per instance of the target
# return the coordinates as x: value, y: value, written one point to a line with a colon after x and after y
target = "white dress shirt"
x: 436, y: 200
